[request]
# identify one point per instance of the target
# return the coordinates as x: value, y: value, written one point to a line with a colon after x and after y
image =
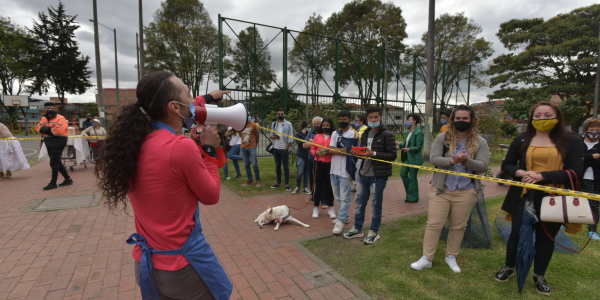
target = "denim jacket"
x: 286, y: 129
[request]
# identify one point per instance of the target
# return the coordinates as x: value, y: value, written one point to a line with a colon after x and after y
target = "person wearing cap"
x: 88, y: 121
x: 55, y: 131
x: 99, y: 135
x: 444, y: 119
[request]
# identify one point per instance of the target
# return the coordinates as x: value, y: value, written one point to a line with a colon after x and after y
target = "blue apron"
x: 196, y: 250
x: 344, y: 142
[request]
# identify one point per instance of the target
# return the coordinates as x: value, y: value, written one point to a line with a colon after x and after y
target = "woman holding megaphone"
x: 164, y: 176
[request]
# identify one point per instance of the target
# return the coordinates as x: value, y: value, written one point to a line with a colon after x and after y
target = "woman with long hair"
x: 323, y: 193
x: 164, y: 175
x: 453, y: 197
x: 541, y: 155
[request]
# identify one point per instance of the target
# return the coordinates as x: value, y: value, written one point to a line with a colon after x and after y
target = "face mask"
x: 409, y: 124
x: 249, y: 118
x: 326, y: 130
x: 343, y: 124
x: 544, y: 125
x: 462, y: 126
x: 188, y: 122
x: 280, y: 118
x: 593, y: 136
x: 51, y: 113
x: 356, y: 125
x: 444, y: 121
x: 374, y: 125
x: 253, y: 120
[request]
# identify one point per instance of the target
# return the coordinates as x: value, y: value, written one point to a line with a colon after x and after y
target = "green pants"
x: 411, y: 183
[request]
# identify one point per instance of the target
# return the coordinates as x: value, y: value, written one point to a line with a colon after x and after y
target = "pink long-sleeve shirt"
x: 171, y: 179
x: 324, y: 142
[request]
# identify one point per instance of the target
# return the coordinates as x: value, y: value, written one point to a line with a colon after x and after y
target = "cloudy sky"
x: 123, y: 15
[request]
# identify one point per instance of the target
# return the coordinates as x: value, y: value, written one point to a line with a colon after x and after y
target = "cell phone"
x: 360, y: 150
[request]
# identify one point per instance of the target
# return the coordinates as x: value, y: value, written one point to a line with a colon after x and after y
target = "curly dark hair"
x: 415, y: 117
x: 116, y: 167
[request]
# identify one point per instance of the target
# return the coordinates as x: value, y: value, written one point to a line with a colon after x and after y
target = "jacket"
x: 415, y: 154
x: 302, y: 153
x: 286, y: 129
x: 589, y: 161
x: 361, y: 130
x: 310, y: 135
x: 348, y: 143
x: 324, y: 142
x: 55, y: 131
x: 573, y: 161
x: 384, y: 143
x: 441, y: 160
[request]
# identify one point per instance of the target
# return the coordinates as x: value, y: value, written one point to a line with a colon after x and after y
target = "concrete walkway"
x: 81, y: 253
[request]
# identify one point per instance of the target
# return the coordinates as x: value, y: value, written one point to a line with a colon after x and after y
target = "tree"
x: 554, y: 57
x: 489, y: 125
x: 183, y: 40
x: 251, y: 62
x: 57, y: 60
x: 456, y: 43
x: 15, y: 57
x: 354, y: 24
x: 509, y: 128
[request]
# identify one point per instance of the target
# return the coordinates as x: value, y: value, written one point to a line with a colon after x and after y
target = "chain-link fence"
x: 268, y: 67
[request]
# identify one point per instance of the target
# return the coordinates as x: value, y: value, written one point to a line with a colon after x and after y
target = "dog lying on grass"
x: 278, y: 214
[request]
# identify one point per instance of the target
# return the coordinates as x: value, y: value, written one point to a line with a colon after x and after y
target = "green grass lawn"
x: 383, y: 270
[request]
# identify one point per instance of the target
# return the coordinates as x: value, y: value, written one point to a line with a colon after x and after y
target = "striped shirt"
x: 454, y: 181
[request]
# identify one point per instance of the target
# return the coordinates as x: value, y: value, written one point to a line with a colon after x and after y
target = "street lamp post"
x: 98, y: 66
x: 141, y: 65
x: 114, y: 30
x: 137, y: 52
x: 597, y: 88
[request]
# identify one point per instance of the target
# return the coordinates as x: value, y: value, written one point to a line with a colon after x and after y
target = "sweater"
x: 302, y: 153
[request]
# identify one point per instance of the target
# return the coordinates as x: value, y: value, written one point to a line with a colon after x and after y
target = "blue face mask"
x: 374, y: 125
x: 408, y: 124
x: 249, y: 118
x: 356, y: 125
x: 188, y: 122
x: 444, y: 121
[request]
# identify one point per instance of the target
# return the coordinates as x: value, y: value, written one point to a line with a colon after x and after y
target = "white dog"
x: 279, y: 214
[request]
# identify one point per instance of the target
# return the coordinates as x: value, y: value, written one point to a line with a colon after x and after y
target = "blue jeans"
x: 302, y: 166
x: 250, y: 157
x: 282, y: 157
x: 342, y: 187
x: 369, y: 186
x: 234, y: 155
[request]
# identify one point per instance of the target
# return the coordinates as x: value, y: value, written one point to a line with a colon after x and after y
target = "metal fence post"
x: 443, y: 102
x: 337, y: 70
x: 413, y: 101
x: 378, y: 97
x: 285, y: 75
x: 221, y: 86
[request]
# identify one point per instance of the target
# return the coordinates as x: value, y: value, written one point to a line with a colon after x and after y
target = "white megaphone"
x: 235, y: 116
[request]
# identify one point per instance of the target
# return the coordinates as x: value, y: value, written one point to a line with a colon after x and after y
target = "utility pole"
x: 385, y: 78
x: 98, y: 66
x: 429, y: 88
x: 141, y: 63
x: 137, y: 52
x: 117, y: 73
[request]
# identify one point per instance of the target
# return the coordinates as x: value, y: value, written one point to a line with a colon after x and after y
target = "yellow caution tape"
x: 41, y: 137
x: 547, y: 189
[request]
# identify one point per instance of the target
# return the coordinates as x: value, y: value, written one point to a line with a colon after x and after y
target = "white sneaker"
x: 315, y: 213
x: 339, y: 226
x: 451, y: 262
x: 296, y: 190
x: 421, y: 264
x: 306, y: 191
x: 332, y: 213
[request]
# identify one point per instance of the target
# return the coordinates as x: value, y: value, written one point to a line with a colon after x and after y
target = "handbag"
x: 270, y: 148
x: 567, y: 209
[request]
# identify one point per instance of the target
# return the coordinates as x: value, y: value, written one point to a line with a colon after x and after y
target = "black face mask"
x: 326, y: 130
x: 50, y: 113
x: 593, y: 136
x: 343, y: 124
x: 280, y: 118
x: 462, y: 126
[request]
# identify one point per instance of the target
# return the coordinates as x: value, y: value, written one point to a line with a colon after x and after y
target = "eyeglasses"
x: 281, y: 114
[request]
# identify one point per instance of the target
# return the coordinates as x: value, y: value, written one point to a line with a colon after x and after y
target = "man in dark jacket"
x: 89, y: 118
x: 55, y: 130
x: 381, y: 145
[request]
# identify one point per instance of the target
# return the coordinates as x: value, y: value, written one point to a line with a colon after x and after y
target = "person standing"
x: 96, y: 142
x: 302, y: 159
x: 250, y: 138
x: 323, y: 194
x: 281, y: 145
x: 591, y: 161
x: 316, y: 122
x: 381, y: 145
x: 444, y: 116
x: 55, y: 131
x: 411, y: 149
x: 235, y: 143
x: 453, y: 197
x: 343, y: 168
x: 360, y: 125
x: 88, y: 122
x: 11, y: 154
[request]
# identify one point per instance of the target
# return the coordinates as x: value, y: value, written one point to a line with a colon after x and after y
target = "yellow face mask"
x: 544, y: 125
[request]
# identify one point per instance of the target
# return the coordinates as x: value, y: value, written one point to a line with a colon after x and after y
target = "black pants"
x: 588, y: 186
x: 184, y: 283
x: 310, y: 165
x: 323, y: 192
x: 55, y: 163
x: 544, y: 246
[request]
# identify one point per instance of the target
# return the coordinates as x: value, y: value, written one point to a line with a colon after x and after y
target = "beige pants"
x: 457, y: 206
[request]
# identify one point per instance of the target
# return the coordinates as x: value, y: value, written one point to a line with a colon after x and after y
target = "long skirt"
x: 12, y: 157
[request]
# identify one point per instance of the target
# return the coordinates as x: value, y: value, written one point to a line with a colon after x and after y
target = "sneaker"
x: 227, y: 177
x: 296, y: 190
x: 421, y: 264
x: 50, y: 186
x: 353, y: 233
x: 332, y: 213
x: 337, y: 229
x: 371, y: 238
x: 306, y: 191
x: 315, y: 214
x: 258, y: 184
x: 505, y: 273
x: 288, y: 188
x: 275, y: 185
x: 541, y: 285
x: 594, y: 236
x: 345, y: 221
x: 66, y: 182
x: 238, y: 177
x: 247, y: 182
x: 451, y: 262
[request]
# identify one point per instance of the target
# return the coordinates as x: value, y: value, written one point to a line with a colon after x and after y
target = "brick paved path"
x: 81, y: 253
